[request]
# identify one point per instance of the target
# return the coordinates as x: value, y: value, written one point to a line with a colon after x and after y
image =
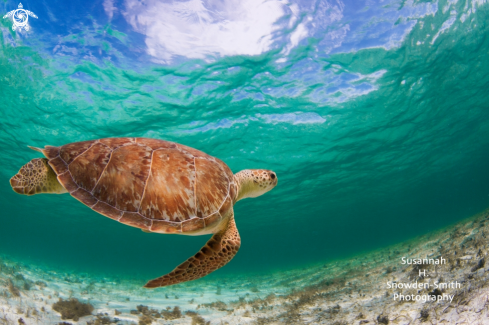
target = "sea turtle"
x: 20, y: 17
x: 155, y: 185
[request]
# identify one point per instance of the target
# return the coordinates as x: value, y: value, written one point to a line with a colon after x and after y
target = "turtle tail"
x: 36, y: 177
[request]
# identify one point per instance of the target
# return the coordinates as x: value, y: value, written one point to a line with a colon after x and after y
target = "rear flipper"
x: 218, y: 251
x: 36, y: 177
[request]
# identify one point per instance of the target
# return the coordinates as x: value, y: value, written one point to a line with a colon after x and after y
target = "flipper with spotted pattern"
x: 216, y: 253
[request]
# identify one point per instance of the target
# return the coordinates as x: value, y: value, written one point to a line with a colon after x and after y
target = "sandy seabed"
x: 350, y: 291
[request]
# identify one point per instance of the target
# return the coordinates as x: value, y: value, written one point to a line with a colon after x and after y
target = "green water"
x: 371, y: 146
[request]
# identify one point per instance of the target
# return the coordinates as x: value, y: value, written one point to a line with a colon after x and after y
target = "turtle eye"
x: 272, y: 175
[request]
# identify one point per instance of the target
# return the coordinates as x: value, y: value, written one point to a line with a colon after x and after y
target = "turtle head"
x: 254, y: 182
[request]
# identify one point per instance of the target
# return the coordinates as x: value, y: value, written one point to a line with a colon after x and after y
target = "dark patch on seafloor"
x: 72, y: 308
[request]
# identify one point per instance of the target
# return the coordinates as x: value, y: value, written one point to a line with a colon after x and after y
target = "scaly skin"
x: 216, y: 253
x: 254, y: 182
x: 36, y: 177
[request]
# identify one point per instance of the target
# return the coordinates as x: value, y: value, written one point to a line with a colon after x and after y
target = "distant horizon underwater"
x: 373, y: 114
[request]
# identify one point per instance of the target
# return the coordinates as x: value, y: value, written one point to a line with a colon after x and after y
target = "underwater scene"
x: 244, y: 162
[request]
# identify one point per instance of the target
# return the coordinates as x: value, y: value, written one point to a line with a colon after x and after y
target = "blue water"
x: 373, y: 114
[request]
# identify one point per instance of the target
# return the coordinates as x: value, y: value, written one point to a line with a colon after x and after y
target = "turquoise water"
x: 374, y: 116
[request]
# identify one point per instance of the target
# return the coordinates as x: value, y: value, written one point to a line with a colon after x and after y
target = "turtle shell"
x: 155, y: 185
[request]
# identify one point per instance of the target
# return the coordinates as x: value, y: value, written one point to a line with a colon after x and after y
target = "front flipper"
x: 216, y: 253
